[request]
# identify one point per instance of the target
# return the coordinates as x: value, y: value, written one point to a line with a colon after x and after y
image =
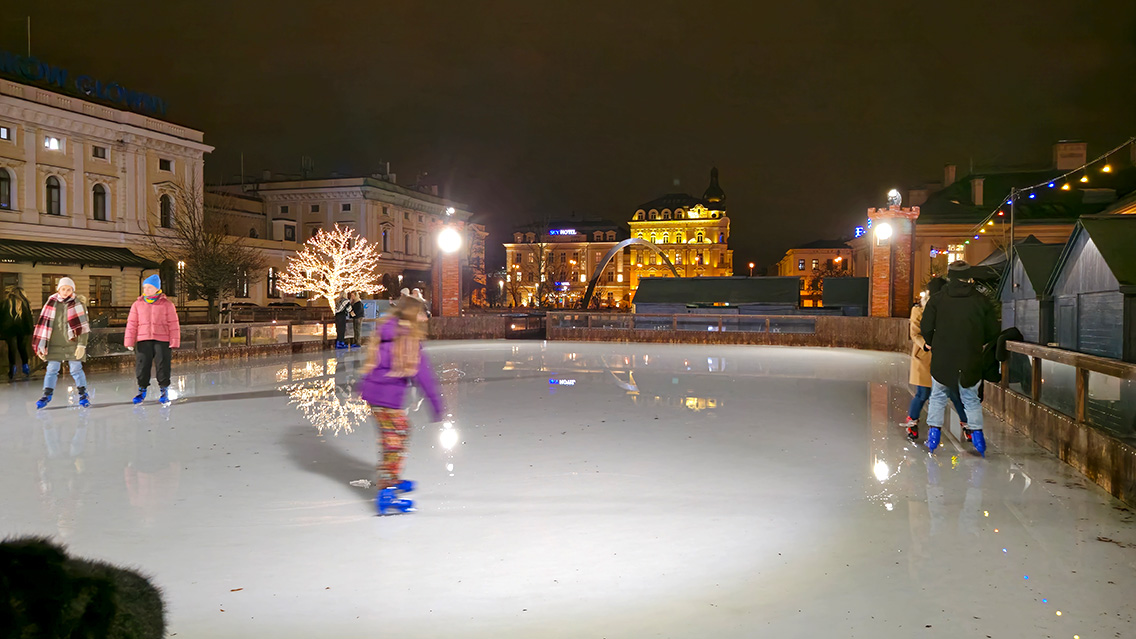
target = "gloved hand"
x: 129, y: 348
x: 80, y: 351
x: 42, y: 354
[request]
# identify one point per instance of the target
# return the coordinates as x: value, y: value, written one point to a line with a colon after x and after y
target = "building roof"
x: 954, y: 204
x: 823, y: 244
x: 1115, y: 237
x: 714, y: 193
x: 82, y: 255
x: 1038, y: 262
x: 674, y: 201
x: 734, y: 291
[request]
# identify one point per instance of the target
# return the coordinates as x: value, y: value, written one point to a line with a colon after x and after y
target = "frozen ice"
x: 579, y: 490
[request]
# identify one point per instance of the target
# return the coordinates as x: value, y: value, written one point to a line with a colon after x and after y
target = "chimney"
x: 949, y: 175
x: 1069, y: 154
x: 976, y: 190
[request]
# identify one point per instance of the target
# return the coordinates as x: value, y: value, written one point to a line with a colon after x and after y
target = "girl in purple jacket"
x: 394, y: 361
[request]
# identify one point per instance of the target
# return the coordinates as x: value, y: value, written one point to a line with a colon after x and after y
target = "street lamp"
x: 751, y: 269
x: 883, y: 232
x: 449, y: 242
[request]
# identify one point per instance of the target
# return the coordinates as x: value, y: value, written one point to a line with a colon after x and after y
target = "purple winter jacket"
x: 380, y: 389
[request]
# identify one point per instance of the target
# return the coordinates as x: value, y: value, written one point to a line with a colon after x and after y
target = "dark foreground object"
x: 47, y: 595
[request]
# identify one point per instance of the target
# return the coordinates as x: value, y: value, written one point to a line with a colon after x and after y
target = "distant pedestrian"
x: 60, y: 336
x: 356, y: 319
x: 957, y: 324
x: 417, y: 294
x: 395, y: 361
x: 920, y: 376
x: 16, y: 325
x: 342, y: 310
x: 152, y: 329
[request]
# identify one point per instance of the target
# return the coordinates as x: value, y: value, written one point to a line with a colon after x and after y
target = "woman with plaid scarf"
x: 61, y: 336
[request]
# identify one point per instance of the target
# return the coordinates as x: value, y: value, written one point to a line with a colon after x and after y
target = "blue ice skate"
x: 979, y: 441
x: 84, y: 399
x: 141, y: 396
x: 165, y: 396
x: 388, y: 498
x: 27, y: 371
x: 46, y: 399
x: 934, y: 435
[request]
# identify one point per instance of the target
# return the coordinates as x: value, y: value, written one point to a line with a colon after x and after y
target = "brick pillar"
x: 445, y: 300
x: 890, y: 269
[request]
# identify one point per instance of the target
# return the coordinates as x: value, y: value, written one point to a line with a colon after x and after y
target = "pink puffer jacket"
x: 157, y: 321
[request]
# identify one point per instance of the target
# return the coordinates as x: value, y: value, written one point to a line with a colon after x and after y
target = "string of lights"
x: 1030, y: 192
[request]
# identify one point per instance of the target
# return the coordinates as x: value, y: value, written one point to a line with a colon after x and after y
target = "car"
x: 285, y: 305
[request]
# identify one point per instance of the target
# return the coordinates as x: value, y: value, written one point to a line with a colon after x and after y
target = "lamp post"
x: 751, y: 269
x: 449, y: 272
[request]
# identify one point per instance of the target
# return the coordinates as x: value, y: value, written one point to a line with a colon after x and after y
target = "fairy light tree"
x: 331, y: 263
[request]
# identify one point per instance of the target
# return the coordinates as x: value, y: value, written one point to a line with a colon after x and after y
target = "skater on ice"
x: 61, y: 336
x: 957, y: 324
x: 395, y: 361
x: 152, y: 329
x: 342, y: 311
x: 356, y: 320
x: 921, y: 365
x: 16, y: 324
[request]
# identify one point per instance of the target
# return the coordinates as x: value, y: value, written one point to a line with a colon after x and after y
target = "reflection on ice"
x: 327, y: 406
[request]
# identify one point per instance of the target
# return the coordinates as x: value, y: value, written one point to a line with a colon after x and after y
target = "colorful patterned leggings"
x: 393, y: 432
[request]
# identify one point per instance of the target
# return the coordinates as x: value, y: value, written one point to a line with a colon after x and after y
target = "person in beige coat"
x: 920, y: 376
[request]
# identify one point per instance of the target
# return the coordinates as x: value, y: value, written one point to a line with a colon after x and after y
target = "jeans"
x: 923, y: 393
x: 53, y: 374
x: 939, y: 396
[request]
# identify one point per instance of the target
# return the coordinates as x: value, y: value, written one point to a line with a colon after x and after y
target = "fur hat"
x: 65, y: 281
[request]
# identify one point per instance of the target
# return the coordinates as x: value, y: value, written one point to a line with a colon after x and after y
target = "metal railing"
x: 105, y: 342
x: 1097, y: 391
x: 108, y: 316
x: 684, y: 322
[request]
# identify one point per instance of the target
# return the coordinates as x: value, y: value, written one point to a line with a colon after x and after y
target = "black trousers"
x: 148, y: 352
x: 341, y: 328
x: 15, y: 343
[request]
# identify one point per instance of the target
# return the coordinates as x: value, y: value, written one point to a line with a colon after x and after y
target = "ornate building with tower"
x: 692, y: 232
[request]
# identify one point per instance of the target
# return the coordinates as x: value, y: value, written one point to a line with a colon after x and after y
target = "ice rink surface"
x: 584, y: 490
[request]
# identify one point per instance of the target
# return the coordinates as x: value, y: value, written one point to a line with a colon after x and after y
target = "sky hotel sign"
x: 36, y: 71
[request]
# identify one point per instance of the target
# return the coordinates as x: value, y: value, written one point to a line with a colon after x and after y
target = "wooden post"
x: 289, y: 333
x: 1005, y: 373
x: 324, y: 323
x: 1082, y: 397
x: 1035, y: 386
x: 248, y: 335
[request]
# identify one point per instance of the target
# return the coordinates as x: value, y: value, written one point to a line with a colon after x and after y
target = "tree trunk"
x: 212, y: 309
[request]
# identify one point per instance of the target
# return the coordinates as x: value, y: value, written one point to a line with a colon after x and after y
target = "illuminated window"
x: 816, y: 264
x: 5, y: 133
x: 52, y: 143
x: 273, y: 276
x: 800, y: 265
x: 666, y: 238
x: 652, y: 215
x: 678, y: 238
x: 956, y: 252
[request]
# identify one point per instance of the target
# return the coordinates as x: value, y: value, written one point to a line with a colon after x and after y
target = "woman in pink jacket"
x: 151, y: 331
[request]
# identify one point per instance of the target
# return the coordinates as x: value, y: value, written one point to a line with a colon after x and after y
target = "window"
x: 99, y: 152
x: 314, y: 231
x: 678, y: 238
x: 101, y: 290
x: 666, y: 238
x: 253, y: 234
x: 345, y: 207
x: 701, y: 238
x: 678, y: 258
x: 419, y: 218
x: 165, y: 165
x: 406, y: 244
x: 598, y: 235
x: 48, y: 282
x: 284, y: 210
x: 830, y: 264
x: 54, y: 200
x: 315, y: 208
x: 386, y: 211
x: 610, y: 276
x: 166, y: 212
x: 9, y: 279
x: 52, y: 143
x: 99, y: 203
x: 289, y: 233
x: 956, y: 252
x: 406, y: 215
x: 652, y: 215
x: 611, y: 236
x: 5, y: 133
x: 5, y: 189
x: 816, y: 264
x: 242, y: 285
x: 421, y: 245
x: 516, y: 258
x: 386, y: 240
x: 273, y: 276
x: 800, y: 265
x: 666, y: 215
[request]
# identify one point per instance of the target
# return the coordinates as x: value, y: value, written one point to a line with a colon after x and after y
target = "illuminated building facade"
x: 692, y: 232
x: 551, y: 264
x: 808, y: 261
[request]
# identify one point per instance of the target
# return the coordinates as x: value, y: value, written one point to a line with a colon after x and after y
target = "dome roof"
x: 714, y: 193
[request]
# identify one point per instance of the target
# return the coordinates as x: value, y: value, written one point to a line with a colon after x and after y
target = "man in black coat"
x: 957, y: 324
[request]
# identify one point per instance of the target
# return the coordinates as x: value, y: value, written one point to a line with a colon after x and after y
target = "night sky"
x: 533, y: 110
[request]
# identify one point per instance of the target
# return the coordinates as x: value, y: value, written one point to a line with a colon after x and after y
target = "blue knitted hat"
x: 154, y: 281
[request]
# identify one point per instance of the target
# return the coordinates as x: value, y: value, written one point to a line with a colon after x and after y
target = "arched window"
x: 666, y: 238
x: 652, y: 238
x: 652, y: 215
x: 253, y: 234
x: 5, y: 189
x: 99, y: 203
x: 54, y: 196
x: 611, y: 236
x: 166, y: 212
x: 386, y: 239
x: 598, y: 235
x: 666, y: 215
x: 701, y: 238
x: 721, y: 238
x: 678, y: 237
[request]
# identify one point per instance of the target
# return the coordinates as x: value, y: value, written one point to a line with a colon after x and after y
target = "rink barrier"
x: 868, y: 333
x: 1081, y: 408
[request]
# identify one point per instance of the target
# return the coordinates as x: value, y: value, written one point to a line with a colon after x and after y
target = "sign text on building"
x: 29, y: 69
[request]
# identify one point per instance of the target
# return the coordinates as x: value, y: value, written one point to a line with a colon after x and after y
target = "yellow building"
x: 812, y: 261
x: 88, y: 174
x: 692, y: 232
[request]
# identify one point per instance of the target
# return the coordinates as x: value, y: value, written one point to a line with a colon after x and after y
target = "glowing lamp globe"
x: 449, y: 240
x: 883, y: 231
